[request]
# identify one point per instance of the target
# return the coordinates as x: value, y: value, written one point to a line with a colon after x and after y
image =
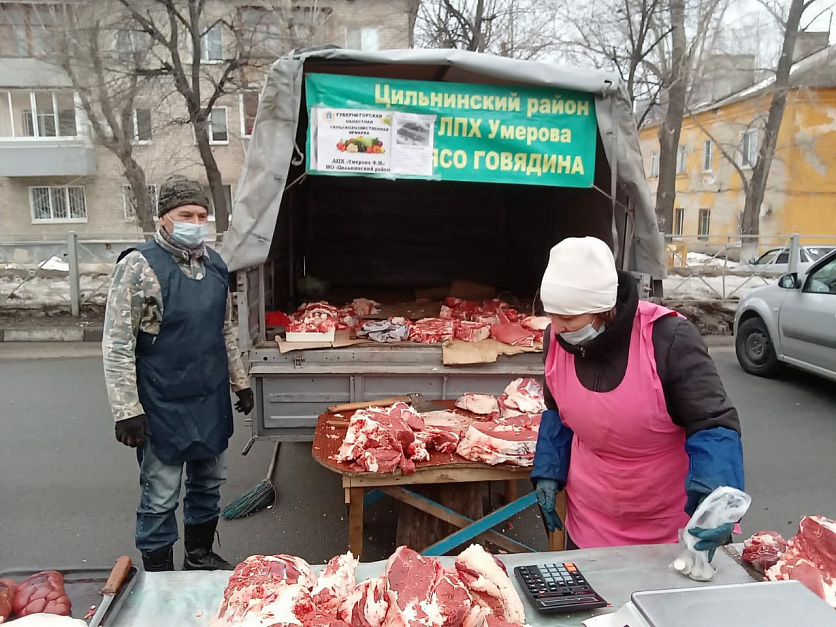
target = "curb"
x: 51, y: 334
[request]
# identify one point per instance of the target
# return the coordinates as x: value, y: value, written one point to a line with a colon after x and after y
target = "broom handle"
x: 273, y: 461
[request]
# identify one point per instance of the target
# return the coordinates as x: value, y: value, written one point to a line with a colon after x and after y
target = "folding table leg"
x: 480, y: 526
x: 355, y: 520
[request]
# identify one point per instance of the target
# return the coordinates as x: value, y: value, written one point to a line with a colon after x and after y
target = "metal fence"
x: 724, y: 268
x: 72, y: 271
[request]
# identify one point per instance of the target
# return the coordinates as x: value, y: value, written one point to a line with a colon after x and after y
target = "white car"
x: 792, y: 322
x: 777, y: 260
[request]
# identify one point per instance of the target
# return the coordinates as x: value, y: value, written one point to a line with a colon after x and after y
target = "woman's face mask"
x: 582, y: 335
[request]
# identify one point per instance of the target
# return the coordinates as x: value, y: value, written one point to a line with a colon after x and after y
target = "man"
x: 170, y: 354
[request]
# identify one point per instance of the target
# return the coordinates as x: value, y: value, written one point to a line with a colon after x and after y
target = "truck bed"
x: 293, y: 389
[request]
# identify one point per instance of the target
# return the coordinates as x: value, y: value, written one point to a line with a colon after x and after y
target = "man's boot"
x: 199, y: 554
x: 159, y: 560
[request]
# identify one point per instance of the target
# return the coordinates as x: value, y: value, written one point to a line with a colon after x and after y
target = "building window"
x: 37, y: 114
x: 364, y: 38
x: 218, y: 131
x: 707, y: 156
x: 654, y: 163
x: 681, y: 160
x: 58, y: 204
x: 678, y: 220
x: 748, y: 148
x: 705, y: 223
x: 259, y: 31
x: 28, y: 29
x: 249, y: 107
x: 131, y: 45
x: 212, y: 45
x: 142, y: 126
x: 129, y: 202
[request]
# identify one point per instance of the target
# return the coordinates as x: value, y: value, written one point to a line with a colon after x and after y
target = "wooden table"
x: 440, y: 468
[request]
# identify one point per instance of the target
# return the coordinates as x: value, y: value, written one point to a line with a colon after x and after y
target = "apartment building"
x: 53, y: 175
x: 721, y: 138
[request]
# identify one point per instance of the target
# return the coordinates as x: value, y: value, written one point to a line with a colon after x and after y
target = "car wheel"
x: 754, y: 349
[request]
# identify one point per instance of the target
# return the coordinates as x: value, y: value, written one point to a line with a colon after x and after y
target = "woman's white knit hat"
x: 580, y: 278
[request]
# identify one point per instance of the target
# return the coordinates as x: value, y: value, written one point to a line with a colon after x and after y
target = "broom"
x: 258, y: 498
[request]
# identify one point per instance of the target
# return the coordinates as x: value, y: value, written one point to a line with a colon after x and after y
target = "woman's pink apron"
x: 626, y: 480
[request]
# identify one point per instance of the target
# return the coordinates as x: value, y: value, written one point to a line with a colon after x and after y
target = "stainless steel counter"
x: 192, y: 598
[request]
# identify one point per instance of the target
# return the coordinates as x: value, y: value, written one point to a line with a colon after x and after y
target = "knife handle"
x: 117, y: 576
x: 335, y: 409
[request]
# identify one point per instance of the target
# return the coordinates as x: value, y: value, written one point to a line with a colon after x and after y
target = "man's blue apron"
x: 183, y: 372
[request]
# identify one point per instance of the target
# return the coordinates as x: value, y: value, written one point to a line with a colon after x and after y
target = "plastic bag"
x: 724, y: 505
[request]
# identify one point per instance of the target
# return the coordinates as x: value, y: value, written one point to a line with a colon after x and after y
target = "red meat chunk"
x: 42, y: 593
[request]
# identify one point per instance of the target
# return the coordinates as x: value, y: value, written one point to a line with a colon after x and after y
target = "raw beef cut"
x: 453, y: 599
x: 763, y: 549
x: 8, y: 587
x: 513, y: 333
x: 381, y: 440
x: 422, y: 594
x: 493, y: 621
x: 506, y: 440
x: 522, y: 396
x: 467, y: 331
x: 280, y: 605
x: 443, y: 430
x: 335, y: 584
x: 458, y: 309
x: 431, y: 331
x: 258, y: 585
x: 536, y: 324
x: 486, y: 579
x: 482, y: 404
x: 811, y: 558
x: 367, y: 606
x: 42, y: 593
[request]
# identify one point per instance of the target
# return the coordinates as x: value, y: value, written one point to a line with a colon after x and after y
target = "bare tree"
x: 623, y: 35
x: 183, y: 34
x: 656, y: 47
x: 178, y: 33
x: 754, y: 182
x: 107, y: 86
x: 675, y: 84
x: 756, y: 187
x: 520, y: 29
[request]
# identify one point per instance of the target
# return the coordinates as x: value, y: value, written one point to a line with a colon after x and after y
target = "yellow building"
x: 801, y: 190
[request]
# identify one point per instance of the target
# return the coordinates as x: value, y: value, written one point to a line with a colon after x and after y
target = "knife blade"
x: 114, y: 582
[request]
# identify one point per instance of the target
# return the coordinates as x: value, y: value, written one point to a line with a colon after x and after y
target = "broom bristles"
x: 257, y: 498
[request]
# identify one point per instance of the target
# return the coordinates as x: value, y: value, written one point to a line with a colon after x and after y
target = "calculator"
x: 558, y: 587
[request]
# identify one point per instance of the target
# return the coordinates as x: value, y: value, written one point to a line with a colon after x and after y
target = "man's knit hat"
x: 177, y: 191
x: 581, y: 278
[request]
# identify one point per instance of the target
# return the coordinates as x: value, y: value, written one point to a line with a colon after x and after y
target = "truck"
x: 393, y: 171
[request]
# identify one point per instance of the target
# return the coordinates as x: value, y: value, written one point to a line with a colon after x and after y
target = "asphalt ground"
x: 68, y: 490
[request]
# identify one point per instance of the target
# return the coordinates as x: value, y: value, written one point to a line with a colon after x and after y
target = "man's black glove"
x: 132, y: 431
x: 246, y: 401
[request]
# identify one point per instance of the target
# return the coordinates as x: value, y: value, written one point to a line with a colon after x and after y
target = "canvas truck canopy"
x: 280, y: 151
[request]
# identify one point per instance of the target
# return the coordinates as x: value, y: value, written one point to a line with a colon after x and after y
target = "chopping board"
x: 458, y: 353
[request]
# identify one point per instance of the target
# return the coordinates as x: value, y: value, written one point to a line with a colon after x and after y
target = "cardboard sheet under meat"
x: 458, y: 353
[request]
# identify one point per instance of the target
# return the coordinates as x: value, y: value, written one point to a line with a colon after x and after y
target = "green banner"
x: 450, y: 131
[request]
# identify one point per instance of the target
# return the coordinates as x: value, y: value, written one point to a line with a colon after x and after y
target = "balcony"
x: 40, y: 135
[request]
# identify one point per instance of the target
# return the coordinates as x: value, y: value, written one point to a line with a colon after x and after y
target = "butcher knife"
x: 111, y: 588
x: 418, y: 402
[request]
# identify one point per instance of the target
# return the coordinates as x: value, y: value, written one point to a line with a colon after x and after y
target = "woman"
x: 638, y: 428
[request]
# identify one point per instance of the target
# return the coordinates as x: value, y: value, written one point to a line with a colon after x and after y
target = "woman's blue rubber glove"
x: 711, y: 539
x: 546, y: 491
